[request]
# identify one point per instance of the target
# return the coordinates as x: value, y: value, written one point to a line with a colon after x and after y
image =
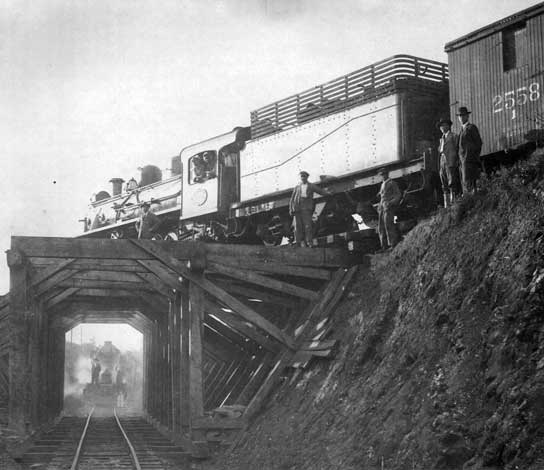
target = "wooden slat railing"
x: 344, y: 92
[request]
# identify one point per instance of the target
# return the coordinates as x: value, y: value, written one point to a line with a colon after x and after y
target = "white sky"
x: 123, y: 336
x: 94, y: 89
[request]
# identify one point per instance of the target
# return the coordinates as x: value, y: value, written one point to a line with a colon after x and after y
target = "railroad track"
x: 105, y: 443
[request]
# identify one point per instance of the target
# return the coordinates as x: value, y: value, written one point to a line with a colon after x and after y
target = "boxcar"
x: 498, y: 73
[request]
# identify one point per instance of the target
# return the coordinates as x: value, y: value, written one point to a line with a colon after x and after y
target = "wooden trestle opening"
x: 220, y: 323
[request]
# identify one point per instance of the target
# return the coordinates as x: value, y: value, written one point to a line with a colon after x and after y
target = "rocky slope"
x: 441, y: 363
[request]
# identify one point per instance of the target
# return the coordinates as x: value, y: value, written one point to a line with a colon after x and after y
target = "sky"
x: 92, y: 90
x: 123, y: 336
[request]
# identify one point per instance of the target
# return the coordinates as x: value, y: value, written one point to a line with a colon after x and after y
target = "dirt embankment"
x: 441, y: 364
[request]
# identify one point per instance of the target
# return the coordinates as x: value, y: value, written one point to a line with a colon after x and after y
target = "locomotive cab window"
x: 202, y: 167
x: 514, y: 45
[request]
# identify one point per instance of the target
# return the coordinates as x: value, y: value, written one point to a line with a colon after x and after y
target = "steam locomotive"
x: 236, y: 187
x: 105, y: 392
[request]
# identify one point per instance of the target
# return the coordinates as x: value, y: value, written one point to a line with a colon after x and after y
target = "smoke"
x: 77, y: 375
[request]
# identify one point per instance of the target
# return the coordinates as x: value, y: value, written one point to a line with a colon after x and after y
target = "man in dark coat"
x: 470, y: 146
x: 301, y: 206
x: 449, y: 162
x: 95, y: 371
x: 148, y: 224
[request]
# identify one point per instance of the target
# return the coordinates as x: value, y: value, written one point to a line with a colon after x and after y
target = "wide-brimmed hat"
x: 444, y: 121
x: 304, y: 173
x: 463, y: 111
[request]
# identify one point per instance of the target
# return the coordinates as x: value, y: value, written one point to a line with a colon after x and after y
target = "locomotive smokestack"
x: 117, y: 186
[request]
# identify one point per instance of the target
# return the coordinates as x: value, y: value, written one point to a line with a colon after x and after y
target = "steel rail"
x: 127, y: 440
x: 81, y: 439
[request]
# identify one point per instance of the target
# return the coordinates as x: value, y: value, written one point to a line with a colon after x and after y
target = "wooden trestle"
x: 219, y: 322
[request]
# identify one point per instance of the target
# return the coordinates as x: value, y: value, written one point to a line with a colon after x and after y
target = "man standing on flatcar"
x: 390, y: 197
x: 449, y: 162
x: 301, y: 206
x: 470, y: 146
x: 148, y: 224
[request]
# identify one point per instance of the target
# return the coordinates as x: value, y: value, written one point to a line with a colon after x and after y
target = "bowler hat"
x: 463, y: 111
x: 304, y: 173
x: 146, y: 204
x: 444, y: 121
x: 383, y: 171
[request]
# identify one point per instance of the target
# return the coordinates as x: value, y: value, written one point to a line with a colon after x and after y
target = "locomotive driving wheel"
x: 117, y: 234
x: 273, y: 232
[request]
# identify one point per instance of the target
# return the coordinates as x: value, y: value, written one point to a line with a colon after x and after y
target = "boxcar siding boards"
x: 507, y: 106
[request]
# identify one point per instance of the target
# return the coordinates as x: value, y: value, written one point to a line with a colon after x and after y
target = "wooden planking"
x: 99, y: 275
x: 119, y: 265
x: 158, y: 285
x: 320, y: 308
x: 65, y: 294
x: 264, y: 281
x: 100, y: 248
x: 113, y: 285
x: 54, y: 280
x: 238, y: 325
x: 97, y: 292
x: 249, y: 314
x: 288, y: 256
x: 270, y: 267
x: 170, y: 278
x: 42, y: 275
x: 218, y: 424
x: 231, y: 302
x: 95, y: 248
x: 243, y: 290
x: 243, y: 343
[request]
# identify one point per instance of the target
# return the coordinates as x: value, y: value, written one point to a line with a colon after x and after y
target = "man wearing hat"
x: 148, y: 224
x: 301, y: 206
x: 449, y: 162
x: 470, y: 146
x: 390, y: 197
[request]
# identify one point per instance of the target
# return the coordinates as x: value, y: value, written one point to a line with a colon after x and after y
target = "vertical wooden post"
x: 155, y: 370
x: 45, y: 359
x: 145, y: 370
x: 185, y: 325
x: 19, y: 374
x: 176, y: 371
x: 196, y: 299
x: 196, y: 302
x: 170, y: 337
x: 36, y: 361
x: 59, y: 368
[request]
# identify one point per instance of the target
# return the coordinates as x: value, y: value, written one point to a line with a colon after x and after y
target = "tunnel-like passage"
x: 219, y: 323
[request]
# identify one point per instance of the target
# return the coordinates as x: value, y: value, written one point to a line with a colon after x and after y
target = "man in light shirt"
x: 301, y: 206
x: 390, y: 197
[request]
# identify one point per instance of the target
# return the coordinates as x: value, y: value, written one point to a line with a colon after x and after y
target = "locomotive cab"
x: 212, y: 178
